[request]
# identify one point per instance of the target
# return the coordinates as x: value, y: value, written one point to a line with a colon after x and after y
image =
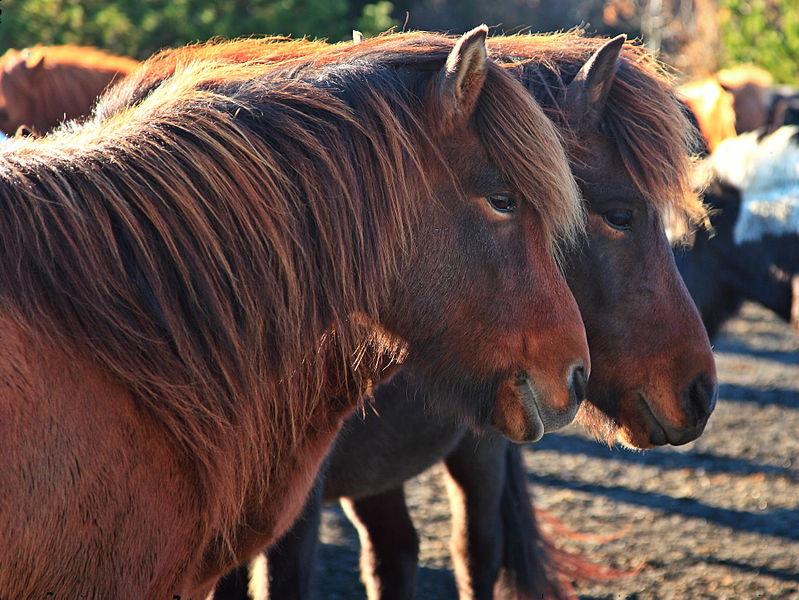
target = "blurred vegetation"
x: 762, y: 32
x: 695, y: 36
x: 140, y: 27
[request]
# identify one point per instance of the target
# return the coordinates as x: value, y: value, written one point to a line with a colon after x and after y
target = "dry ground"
x: 717, y: 518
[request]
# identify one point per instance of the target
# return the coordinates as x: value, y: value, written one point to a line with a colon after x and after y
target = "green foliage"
x: 140, y: 27
x: 762, y: 32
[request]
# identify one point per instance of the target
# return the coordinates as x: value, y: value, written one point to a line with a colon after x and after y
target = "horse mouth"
x: 657, y: 432
x: 662, y: 434
x: 542, y: 418
x: 528, y: 398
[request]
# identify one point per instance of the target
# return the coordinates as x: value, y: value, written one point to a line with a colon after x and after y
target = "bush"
x: 762, y: 32
x: 139, y: 28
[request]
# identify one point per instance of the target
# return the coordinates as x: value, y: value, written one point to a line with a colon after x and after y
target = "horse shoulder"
x: 76, y: 443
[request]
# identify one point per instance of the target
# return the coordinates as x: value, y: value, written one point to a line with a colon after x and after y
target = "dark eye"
x: 619, y: 218
x: 504, y: 203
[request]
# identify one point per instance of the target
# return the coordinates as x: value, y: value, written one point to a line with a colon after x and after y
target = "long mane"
x: 643, y: 116
x: 221, y: 243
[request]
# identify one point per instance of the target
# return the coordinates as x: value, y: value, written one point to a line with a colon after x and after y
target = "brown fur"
x: 650, y: 357
x: 643, y: 124
x: 652, y: 135
x: 42, y: 86
x: 211, y: 263
x: 750, y: 89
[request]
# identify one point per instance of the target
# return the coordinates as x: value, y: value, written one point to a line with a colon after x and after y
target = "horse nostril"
x: 579, y: 383
x: 701, y: 395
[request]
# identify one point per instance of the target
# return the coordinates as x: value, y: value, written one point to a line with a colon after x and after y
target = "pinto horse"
x: 754, y: 252
x: 42, y: 86
x: 197, y: 289
x: 653, y: 376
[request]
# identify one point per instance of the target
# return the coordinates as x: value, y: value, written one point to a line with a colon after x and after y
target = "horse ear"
x: 587, y: 94
x: 463, y: 76
x: 25, y: 131
x: 35, y: 65
x: 357, y: 37
x: 12, y: 59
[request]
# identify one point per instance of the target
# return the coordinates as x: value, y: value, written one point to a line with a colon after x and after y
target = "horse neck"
x: 66, y: 91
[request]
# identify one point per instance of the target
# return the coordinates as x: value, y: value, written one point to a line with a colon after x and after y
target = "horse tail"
x: 533, y: 566
x: 528, y: 571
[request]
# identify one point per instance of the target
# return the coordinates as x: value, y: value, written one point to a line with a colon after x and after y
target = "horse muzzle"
x: 524, y: 412
x: 695, y: 403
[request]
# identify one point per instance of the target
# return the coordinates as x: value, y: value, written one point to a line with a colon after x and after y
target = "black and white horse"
x: 753, y: 253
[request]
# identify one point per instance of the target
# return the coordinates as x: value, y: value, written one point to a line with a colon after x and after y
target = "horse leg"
x: 795, y: 302
x: 476, y: 469
x: 389, y: 544
x: 527, y: 567
x: 234, y: 585
x: 290, y: 561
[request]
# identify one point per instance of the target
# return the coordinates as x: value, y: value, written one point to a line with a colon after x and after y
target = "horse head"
x: 511, y: 339
x: 654, y: 377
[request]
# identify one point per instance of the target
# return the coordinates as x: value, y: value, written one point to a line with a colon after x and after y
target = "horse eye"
x: 619, y: 218
x: 504, y: 203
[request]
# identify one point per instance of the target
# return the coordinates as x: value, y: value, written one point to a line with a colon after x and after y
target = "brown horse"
x: 653, y: 376
x: 42, y: 86
x: 196, y: 290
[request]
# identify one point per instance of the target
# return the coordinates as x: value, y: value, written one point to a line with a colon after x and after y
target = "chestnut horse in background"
x: 653, y: 376
x: 42, y: 86
x: 738, y: 100
x: 198, y: 289
x: 713, y: 108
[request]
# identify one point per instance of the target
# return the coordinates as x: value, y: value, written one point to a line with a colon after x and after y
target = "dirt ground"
x: 716, y: 518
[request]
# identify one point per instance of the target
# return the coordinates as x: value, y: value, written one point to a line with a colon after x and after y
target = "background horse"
x: 196, y: 290
x: 713, y: 108
x: 754, y: 252
x: 42, y: 86
x: 621, y: 119
x: 738, y: 100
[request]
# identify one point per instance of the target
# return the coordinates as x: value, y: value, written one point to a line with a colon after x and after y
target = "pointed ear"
x: 587, y: 94
x: 35, y: 65
x: 12, y: 59
x: 357, y: 37
x: 462, y: 78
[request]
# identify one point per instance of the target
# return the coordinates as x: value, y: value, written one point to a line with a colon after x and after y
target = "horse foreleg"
x: 476, y: 469
x: 795, y: 302
x: 290, y: 561
x: 389, y: 544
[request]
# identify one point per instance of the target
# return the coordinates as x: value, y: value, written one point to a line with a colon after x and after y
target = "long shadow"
x: 781, y: 574
x: 785, y: 397
x: 664, y: 459
x: 780, y: 522
x: 744, y: 350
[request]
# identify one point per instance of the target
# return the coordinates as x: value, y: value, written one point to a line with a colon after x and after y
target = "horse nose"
x: 578, y: 384
x: 699, y: 398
